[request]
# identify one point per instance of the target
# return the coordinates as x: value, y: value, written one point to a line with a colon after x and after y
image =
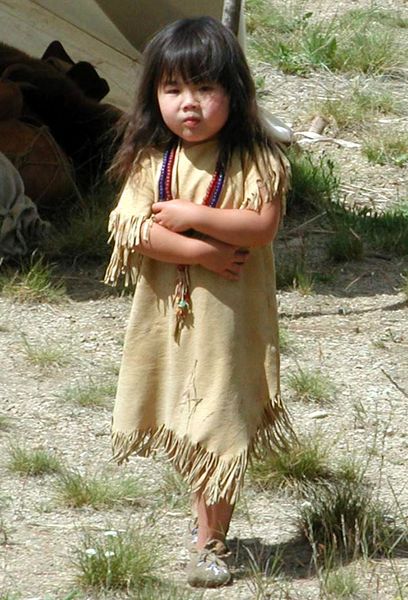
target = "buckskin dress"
x: 211, y: 398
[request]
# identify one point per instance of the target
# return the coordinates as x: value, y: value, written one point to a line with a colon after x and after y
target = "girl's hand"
x: 175, y: 215
x: 224, y: 259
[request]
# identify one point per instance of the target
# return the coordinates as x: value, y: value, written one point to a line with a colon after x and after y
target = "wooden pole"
x: 231, y: 14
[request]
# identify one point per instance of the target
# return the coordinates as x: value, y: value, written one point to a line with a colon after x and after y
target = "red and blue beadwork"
x: 182, y: 298
x: 213, y: 191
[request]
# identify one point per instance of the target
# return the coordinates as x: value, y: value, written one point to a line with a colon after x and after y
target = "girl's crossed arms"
x: 229, y: 232
x: 239, y: 227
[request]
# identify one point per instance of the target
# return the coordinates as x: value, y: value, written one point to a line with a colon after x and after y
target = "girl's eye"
x: 206, y: 87
x: 172, y: 91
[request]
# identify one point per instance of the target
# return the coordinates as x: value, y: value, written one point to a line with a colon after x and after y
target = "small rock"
x: 319, y: 414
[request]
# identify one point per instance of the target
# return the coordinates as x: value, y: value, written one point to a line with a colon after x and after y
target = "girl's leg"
x: 213, y: 520
x: 207, y: 567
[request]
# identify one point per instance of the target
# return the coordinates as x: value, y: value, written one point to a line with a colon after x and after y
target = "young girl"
x: 203, y: 200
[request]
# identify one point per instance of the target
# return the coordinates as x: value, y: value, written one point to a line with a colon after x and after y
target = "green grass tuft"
x: 90, y: 394
x: 364, y: 17
x: 174, y: 490
x: 314, y: 183
x: 165, y: 590
x: 358, y: 107
x: 341, y: 519
x: 75, y: 490
x: 372, y: 51
x: 345, y: 245
x: 297, y: 42
x: 386, y: 232
x: 292, y: 274
x: 116, y: 561
x: 310, y: 386
x: 34, y: 282
x: 45, y: 355
x: 5, y: 423
x: 389, y: 149
x: 301, y: 462
x: 341, y: 584
x: 33, y: 462
x: 285, y: 340
x: 84, y: 235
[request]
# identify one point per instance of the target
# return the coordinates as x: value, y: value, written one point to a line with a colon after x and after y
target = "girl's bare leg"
x: 213, y: 520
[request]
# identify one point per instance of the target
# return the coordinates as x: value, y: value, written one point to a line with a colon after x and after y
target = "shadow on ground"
x: 86, y: 283
x: 294, y: 558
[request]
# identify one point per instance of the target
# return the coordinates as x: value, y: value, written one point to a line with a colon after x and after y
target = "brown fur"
x: 81, y: 126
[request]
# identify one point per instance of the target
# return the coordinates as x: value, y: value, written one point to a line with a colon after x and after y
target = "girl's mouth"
x: 191, y: 121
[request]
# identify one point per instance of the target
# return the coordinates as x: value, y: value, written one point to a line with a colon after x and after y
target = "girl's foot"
x: 208, y: 568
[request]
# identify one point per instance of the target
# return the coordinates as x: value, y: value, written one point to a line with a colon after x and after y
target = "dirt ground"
x: 354, y: 330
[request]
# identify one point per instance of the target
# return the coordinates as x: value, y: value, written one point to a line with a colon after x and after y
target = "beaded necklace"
x: 182, y: 298
x: 213, y: 191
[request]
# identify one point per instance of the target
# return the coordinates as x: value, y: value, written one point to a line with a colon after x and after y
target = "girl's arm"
x: 239, y: 227
x: 167, y: 246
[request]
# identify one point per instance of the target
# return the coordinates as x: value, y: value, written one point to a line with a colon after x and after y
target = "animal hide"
x: 44, y: 168
x: 82, y: 127
x: 20, y: 224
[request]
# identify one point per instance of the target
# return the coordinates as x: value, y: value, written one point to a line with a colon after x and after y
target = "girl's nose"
x: 189, y: 100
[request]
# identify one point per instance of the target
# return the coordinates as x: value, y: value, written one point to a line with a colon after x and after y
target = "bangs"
x: 194, y: 58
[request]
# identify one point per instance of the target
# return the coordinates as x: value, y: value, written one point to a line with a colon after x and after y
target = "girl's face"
x: 195, y: 112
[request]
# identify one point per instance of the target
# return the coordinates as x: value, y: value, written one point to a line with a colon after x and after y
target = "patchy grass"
x: 342, y: 520
x: 285, y: 340
x: 84, y: 234
x: 358, y: 107
x: 174, y: 491
x: 363, y: 17
x: 311, y: 386
x: 5, y: 423
x: 342, y: 584
x: 315, y: 191
x: 371, y: 50
x: 116, y: 561
x: 389, y: 149
x: 315, y: 183
x: 263, y: 576
x: 90, y: 395
x: 292, y: 274
x: 301, y: 462
x: 75, y: 490
x: 45, y: 355
x: 386, y: 232
x: 33, y: 462
x: 34, y: 282
x: 345, y: 245
x: 165, y: 590
x: 297, y: 41
x: 260, y: 83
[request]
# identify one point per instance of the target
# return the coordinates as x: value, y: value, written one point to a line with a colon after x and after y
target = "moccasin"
x: 208, y: 567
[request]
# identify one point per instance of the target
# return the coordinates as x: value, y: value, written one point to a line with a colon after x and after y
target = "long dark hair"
x: 198, y: 50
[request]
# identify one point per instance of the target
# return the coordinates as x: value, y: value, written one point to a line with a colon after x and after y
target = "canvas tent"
x: 127, y: 24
